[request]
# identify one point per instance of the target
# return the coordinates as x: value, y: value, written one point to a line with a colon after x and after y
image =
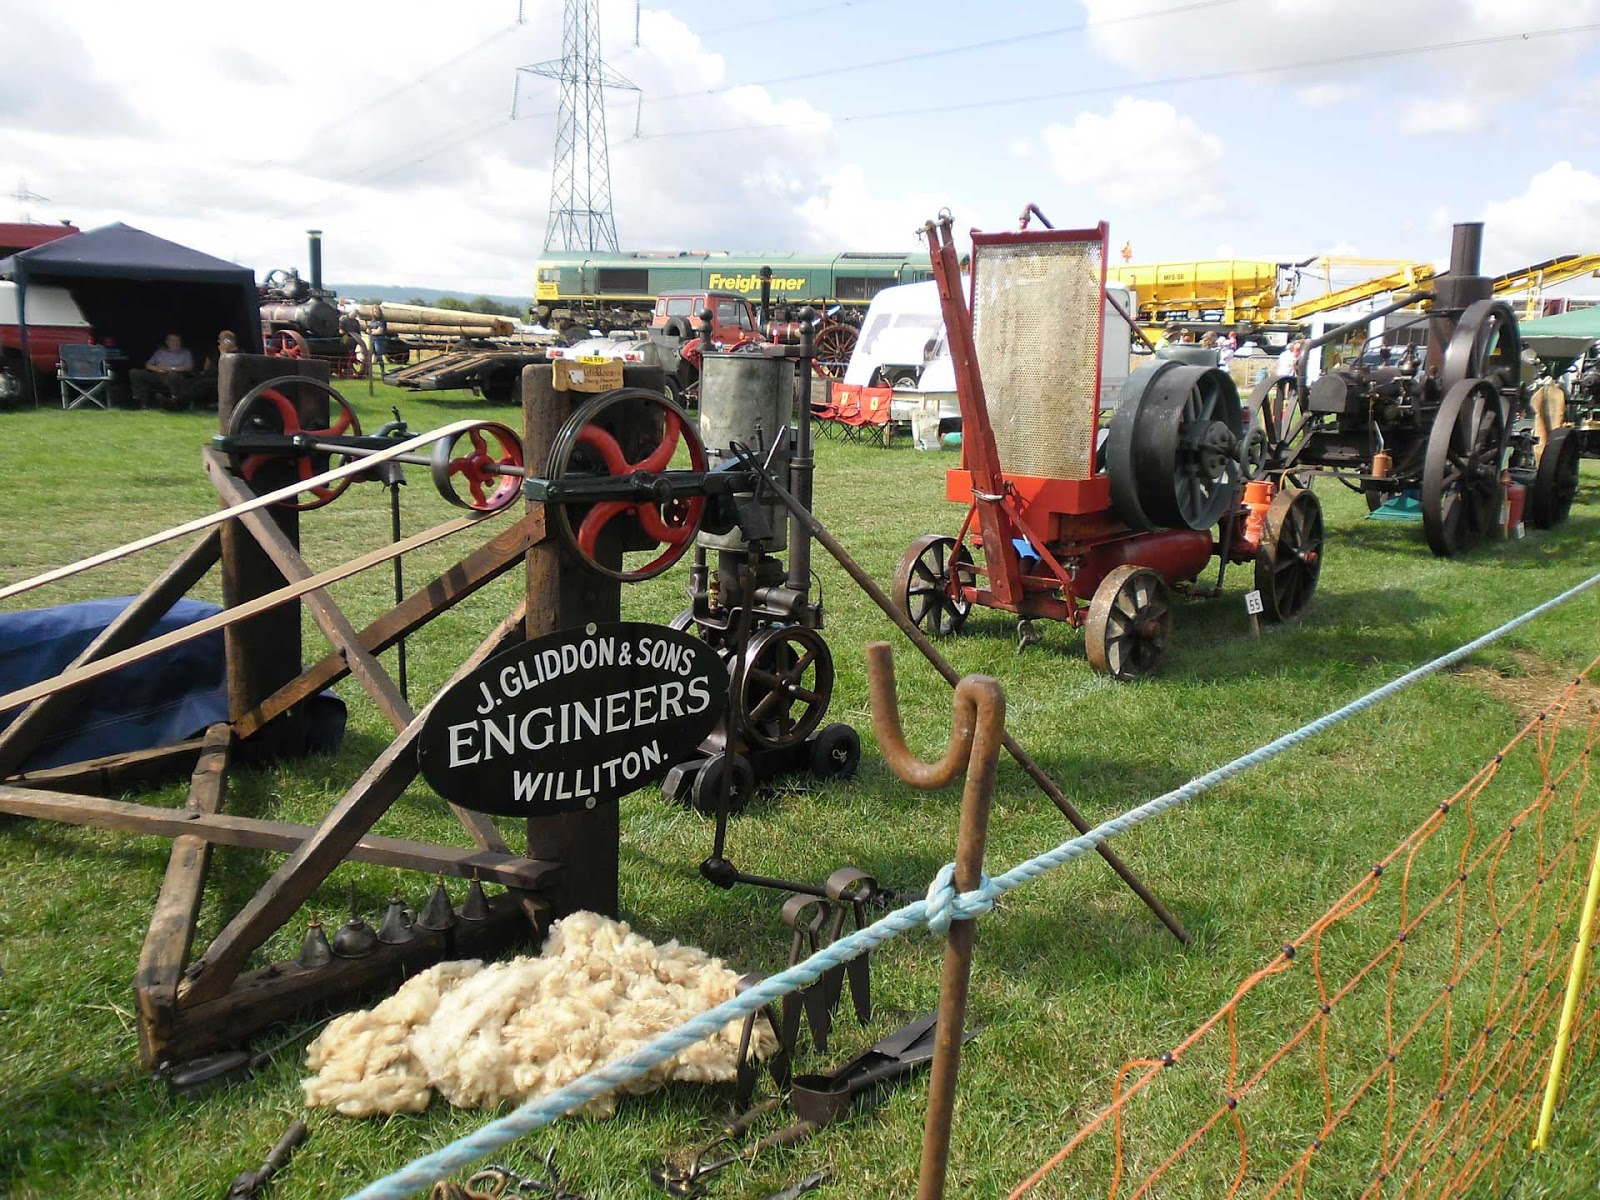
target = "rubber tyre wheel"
x: 1555, y: 482
x: 675, y: 327
x: 835, y: 752
x: 708, y: 784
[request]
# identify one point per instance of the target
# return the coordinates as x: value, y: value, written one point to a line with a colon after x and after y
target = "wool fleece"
x: 481, y: 1034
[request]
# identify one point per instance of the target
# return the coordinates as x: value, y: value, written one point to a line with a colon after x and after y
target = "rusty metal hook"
x: 979, y: 701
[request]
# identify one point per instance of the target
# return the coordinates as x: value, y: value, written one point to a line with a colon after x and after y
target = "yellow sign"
x: 593, y: 358
x: 745, y: 284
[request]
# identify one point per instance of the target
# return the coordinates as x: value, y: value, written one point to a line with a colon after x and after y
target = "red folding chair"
x: 845, y: 402
x: 870, y: 423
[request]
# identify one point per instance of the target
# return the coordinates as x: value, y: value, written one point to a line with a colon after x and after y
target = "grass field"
x: 1073, y: 975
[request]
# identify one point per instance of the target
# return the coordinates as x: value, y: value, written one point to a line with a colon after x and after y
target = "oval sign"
x: 573, y: 720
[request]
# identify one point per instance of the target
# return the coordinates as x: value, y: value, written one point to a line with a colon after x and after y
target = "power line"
x: 1138, y: 85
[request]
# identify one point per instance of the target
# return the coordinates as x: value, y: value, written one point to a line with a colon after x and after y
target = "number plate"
x: 594, y: 360
x: 1252, y: 603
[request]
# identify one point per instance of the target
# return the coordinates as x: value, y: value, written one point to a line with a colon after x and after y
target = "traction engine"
x: 1069, y: 518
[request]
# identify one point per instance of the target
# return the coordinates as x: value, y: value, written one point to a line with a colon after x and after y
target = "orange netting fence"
x: 1401, y: 1044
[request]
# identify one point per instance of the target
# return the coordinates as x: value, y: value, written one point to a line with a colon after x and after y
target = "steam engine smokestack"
x: 316, y: 258
x: 1466, y: 247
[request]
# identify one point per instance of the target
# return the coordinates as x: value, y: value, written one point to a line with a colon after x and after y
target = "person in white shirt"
x: 1289, y: 360
x: 163, y: 375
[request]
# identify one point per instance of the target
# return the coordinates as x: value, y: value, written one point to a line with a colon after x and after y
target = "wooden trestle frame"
x: 190, y: 1005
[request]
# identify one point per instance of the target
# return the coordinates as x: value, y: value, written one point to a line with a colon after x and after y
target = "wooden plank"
x: 171, y: 932
x: 117, y: 772
x: 484, y: 565
x: 319, y: 854
x: 273, y: 836
x: 341, y: 634
x: 279, y: 837
x: 22, y: 736
x: 229, y: 616
x: 277, y: 993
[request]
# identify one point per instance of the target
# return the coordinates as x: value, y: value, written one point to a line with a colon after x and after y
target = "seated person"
x: 163, y: 375
x: 200, y: 391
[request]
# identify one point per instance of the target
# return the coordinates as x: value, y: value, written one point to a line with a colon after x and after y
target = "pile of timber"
x: 415, y: 320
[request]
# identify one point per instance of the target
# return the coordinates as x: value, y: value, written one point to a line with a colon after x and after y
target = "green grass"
x: 1074, y: 976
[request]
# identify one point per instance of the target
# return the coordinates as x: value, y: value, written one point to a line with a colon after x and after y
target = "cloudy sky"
x: 1259, y: 128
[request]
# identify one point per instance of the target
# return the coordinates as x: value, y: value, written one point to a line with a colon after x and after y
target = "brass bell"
x: 476, y: 907
x: 437, y: 915
x: 314, y: 951
x: 396, y: 927
x: 355, y: 939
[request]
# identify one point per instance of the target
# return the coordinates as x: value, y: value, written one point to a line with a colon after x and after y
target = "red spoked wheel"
x: 490, y: 466
x: 630, y: 432
x: 266, y: 410
x: 288, y: 343
x: 834, y: 343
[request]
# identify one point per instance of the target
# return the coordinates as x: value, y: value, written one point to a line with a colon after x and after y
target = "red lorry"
x: 53, y: 316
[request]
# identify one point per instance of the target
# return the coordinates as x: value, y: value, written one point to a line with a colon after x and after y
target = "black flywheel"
x: 1555, y: 482
x: 1129, y: 621
x: 1461, y: 475
x: 1289, y: 558
x: 786, y: 686
x: 1172, y: 450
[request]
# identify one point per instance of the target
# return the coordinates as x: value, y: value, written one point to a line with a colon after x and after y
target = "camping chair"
x: 844, y: 408
x: 870, y: 423
x: 826, y: 414
x: 85, y: 376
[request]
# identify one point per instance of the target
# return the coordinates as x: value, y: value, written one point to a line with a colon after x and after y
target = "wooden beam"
x: 290, y: 886
x: 83, y: 674
x: 171, y: 932
x: 341, y: 634
x: 484, y: 565
x: 117, y: 772
x: 273, y: 994
x: 23, y: 735
x: 280, y: 837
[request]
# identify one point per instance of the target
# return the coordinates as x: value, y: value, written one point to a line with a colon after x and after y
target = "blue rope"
x: 942, y: 906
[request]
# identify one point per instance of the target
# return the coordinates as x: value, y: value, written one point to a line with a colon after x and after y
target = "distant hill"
x: 399, y: 295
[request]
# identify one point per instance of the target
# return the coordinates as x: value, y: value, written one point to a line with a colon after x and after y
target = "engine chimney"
x: 316, y: 258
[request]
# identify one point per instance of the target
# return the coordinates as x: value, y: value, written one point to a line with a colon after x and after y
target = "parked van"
x: 53, y: 318
x: 903, y: 346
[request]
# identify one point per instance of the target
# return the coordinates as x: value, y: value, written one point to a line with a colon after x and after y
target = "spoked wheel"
x: 606, y: 436
x: 1274, y: 411
x: 490, y: 466
x: 834, y: 343
x: 1555, y: 482
x: 786, y: 686
x: 288, y: 343
x: 266, y: 410
x: 358, y: 360
x: 1289, y: 558
x: 1129, y: 621
x: 1461, y: 474
x: 929, y: 584
x: 1172, y: 449
x: 1487, y: 344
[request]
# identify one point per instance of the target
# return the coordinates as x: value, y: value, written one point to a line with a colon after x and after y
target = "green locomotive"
x: 620, y: 289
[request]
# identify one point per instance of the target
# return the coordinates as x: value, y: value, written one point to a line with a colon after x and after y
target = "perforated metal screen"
x: 1036, y: 315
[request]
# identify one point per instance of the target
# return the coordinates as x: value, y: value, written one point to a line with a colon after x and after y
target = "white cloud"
x: 850, y: 213
x: 1324, y: 95
x: 1558, y: 213
x: 1144, y: 154
x: 1441, y: 115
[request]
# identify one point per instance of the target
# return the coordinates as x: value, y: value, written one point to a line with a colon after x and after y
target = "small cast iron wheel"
x: 266, y: 410
x: 1461, y: 492
x: 834, y: 343
x: 1129, y: 620
x: 586, y: 446
x: 288, y: 343
x: 707, y: 789
x: 836, y: 752
x: 1555, y: 482
x: 786, y: 685
x: 490, y: 465
x: 1289, y: 558
x: 930, y: 584
x: 1486, y: 344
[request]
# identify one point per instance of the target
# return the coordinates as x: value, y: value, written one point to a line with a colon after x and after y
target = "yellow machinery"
x: 1535, y: 277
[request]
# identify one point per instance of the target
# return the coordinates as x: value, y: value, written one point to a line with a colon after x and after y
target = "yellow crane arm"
x: 1406, y: 279
x: 1535, y: 277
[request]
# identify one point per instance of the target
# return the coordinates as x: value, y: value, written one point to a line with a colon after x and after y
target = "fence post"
x: 1569, y: 1005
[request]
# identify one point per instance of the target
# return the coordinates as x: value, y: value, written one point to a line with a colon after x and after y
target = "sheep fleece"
x: 481, y: 1034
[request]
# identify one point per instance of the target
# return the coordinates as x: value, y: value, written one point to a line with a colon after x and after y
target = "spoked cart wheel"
x: 288, y: 343
x: 264, y: 409
x: 1555, y: 482
x: 834, y: 343
x: 1461, y: 474
x: 1289, y: 558
x: 928, y: 586
x: 1129, y: 622
x: 587, y: 446
x: 785, y: 686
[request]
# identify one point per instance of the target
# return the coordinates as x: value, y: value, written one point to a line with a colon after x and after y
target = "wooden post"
x: 562, y: 594
x: 264, y: 652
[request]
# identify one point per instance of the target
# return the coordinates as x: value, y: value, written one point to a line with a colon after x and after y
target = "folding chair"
x: 870, y: 424
x: 846, y: 409
x: 826, y: 415
x: 85, y: 376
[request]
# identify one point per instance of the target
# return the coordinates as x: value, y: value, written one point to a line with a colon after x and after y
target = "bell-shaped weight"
x: 476, y: 907
x: 437, y: 915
